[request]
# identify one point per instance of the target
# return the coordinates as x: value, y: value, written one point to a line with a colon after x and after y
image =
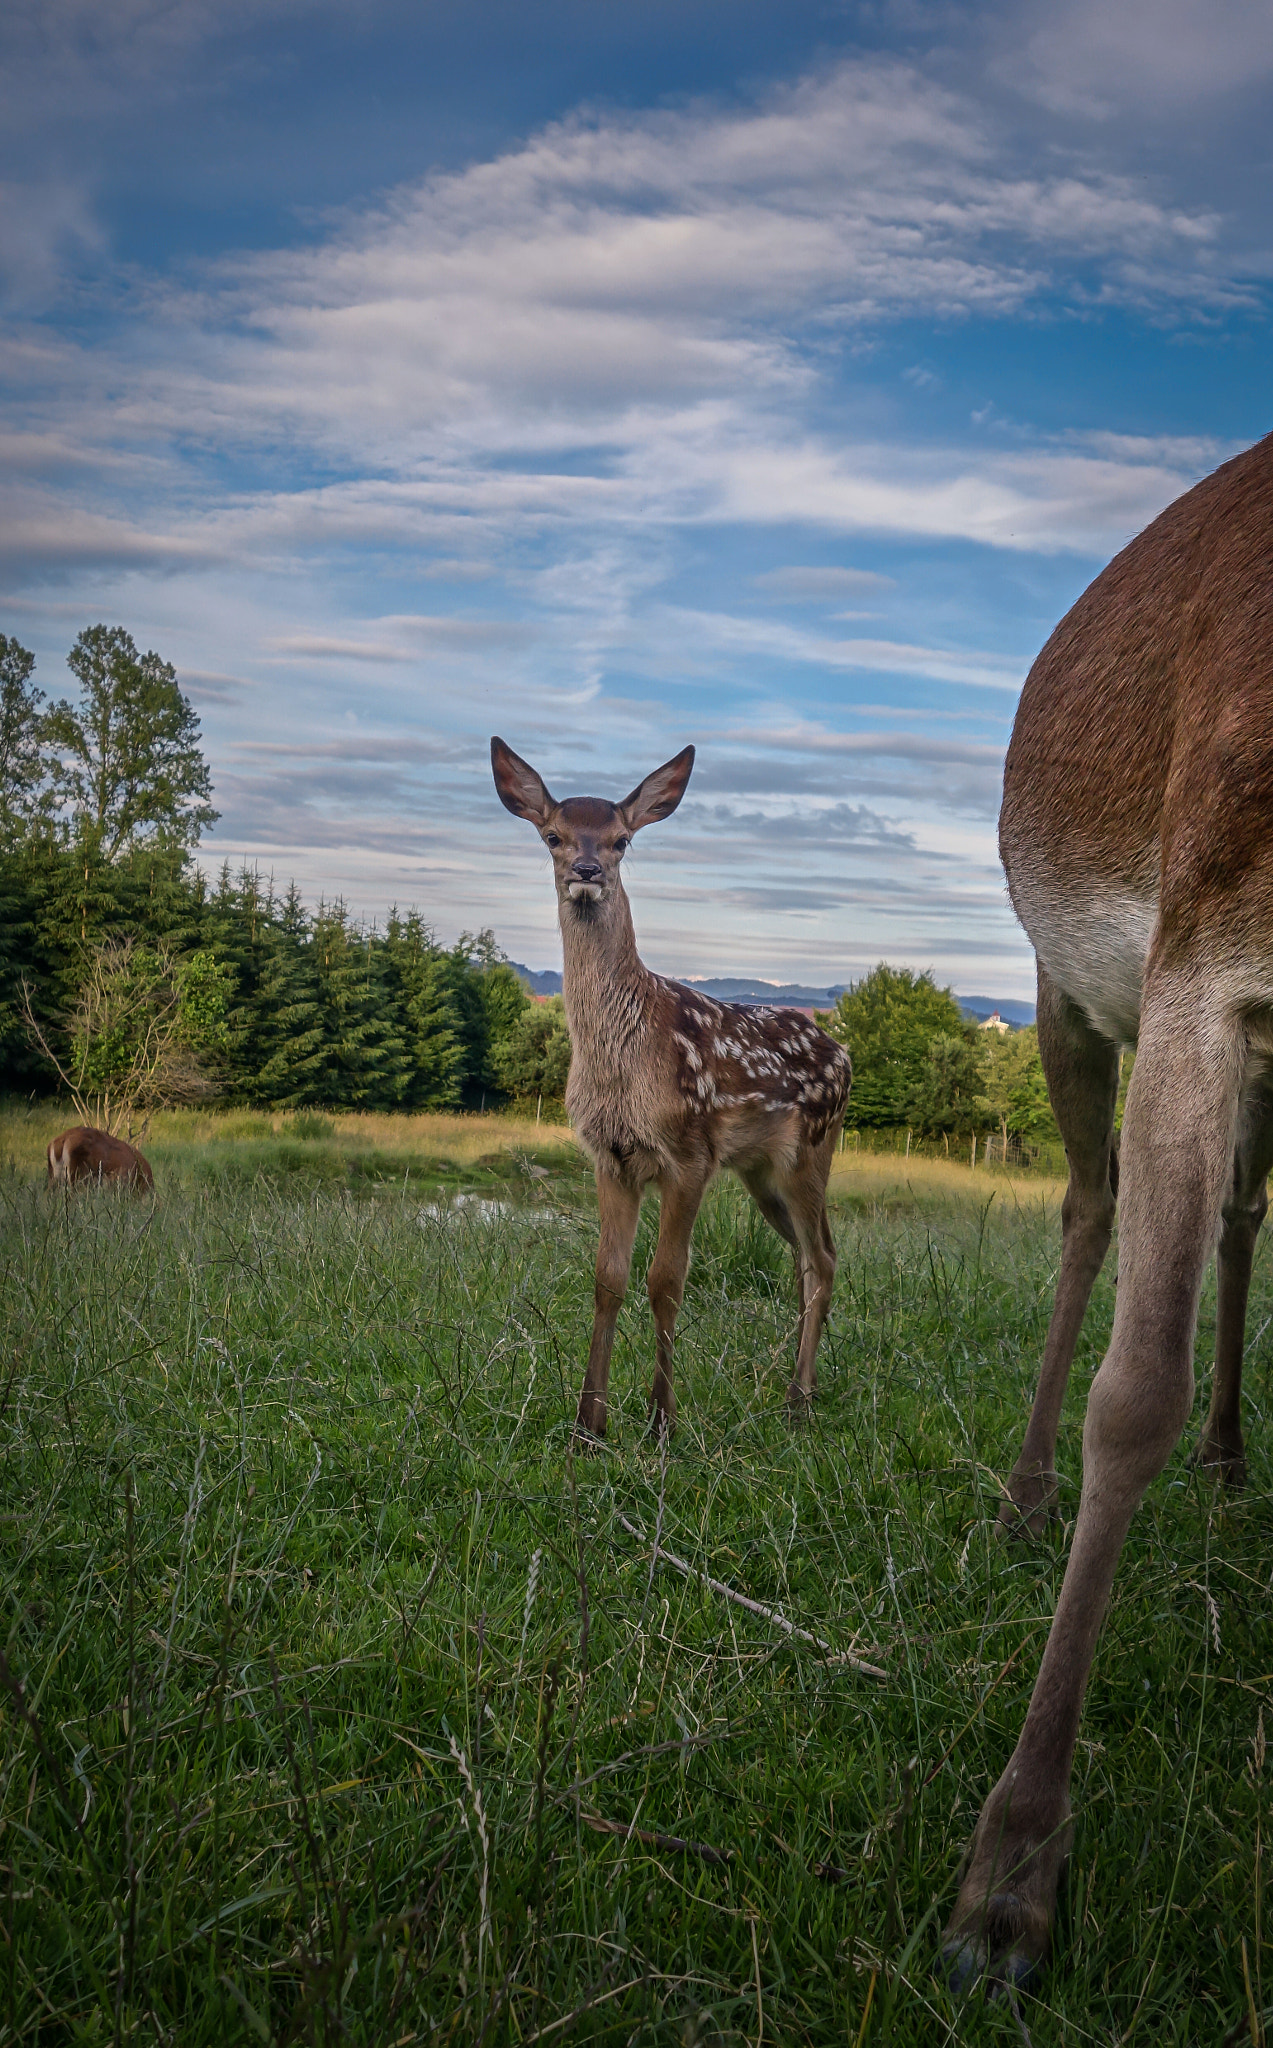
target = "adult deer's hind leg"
x: 620, y: 1206
x: 679, y: 1200
x: 1081, y: 1069
x: 1220, y: 1447
x: 1177, y: 1148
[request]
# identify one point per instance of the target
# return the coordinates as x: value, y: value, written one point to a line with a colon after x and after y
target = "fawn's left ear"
x: 660, y: 793
x: 521, y: 789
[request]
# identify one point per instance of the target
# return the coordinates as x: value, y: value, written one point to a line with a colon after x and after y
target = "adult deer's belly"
x: 1093, y: 937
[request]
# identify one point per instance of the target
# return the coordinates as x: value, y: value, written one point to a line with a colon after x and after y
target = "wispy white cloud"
x: 1083, y: 57
x: 776, y: 638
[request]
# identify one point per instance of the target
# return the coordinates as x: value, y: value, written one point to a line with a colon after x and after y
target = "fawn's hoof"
x: 799, y: 1402
x: 1224, y: 1461
x: 661, y: 1422
x: 590, y: 1425
x: 1033, y: 1502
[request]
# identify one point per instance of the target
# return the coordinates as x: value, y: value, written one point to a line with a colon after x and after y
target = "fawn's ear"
x: 660, y: 793
x: 520, y: 789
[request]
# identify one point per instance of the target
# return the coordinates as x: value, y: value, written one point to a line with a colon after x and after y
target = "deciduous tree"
x: 142, y: 1035
x: 889, y: 1021
x: 1016, y: 1094
x: 127, y: 765
x: 533, y: 1059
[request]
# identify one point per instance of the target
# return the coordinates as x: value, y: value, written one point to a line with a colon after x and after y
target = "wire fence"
x: 973, y: 1149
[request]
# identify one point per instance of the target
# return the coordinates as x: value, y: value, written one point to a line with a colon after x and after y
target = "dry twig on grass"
x: 676, y: 1844
x: 772, y: 1614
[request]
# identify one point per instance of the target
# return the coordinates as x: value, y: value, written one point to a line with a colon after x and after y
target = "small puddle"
x: 471, y: 1208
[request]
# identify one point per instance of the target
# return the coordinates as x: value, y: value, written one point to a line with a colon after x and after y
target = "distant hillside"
x: 1012, y: 1013
x: 737, y: 988
x: 730, y: 988
x: 547, y: 983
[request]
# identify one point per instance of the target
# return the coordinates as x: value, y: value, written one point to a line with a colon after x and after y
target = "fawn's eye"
x: 552, y: 839
x: 622, y: 845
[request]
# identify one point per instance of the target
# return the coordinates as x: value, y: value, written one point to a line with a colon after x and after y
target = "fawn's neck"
x: 605, y: 986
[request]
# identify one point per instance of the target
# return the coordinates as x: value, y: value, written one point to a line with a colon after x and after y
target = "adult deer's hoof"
x: 1225, y: 1461
x: 1033, y: 1502
x: 1001, y: 1928
x: 1009, y: 1948
x: 799, y: 1402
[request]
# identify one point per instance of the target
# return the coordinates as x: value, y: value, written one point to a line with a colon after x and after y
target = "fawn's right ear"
x: 520, y: 789
x: 660, y: 793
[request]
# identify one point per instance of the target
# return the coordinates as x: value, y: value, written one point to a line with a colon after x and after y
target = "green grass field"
x: 341, y: 1704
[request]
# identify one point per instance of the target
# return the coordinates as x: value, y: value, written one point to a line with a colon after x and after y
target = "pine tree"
x: 364, y: 1061
x: 390, y: 1072
x: 287, y: 1013
x: 425, y: 1006
x: 235, y: 919
x: 488, y: 999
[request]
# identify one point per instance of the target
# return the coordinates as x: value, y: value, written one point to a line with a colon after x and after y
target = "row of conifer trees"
x: 319, y: 1009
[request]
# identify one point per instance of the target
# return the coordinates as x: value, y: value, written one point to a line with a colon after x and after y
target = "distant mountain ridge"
x: 798, y: 995
x: 981, y: 1007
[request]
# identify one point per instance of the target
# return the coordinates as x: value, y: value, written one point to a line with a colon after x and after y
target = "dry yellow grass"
x: 25, y: 1132
x: 887, y: 1176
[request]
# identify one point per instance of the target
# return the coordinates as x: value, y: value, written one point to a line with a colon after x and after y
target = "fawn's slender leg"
x: 1220, y: 1447
x: 1082, y: 1076
x: 757, y: 1178
x: 807, y: 1201
x: 1177, y: 1149
x: 679, y: 1202
x: 619, y: 1206
x: 796, y: 1208
x: 758, y: 1181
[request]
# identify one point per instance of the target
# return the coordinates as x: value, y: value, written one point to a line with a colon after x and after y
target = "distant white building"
x: 994, y: 1022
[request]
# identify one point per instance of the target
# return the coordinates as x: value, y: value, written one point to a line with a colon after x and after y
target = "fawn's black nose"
x: 586, y: 871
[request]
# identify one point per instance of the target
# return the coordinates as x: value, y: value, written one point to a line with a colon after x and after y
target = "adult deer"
x: 667, y: 1086
x: 83, y: 1155
x: 1137, y: 836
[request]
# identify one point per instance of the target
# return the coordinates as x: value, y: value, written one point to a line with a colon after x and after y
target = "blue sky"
x: 768, y: 377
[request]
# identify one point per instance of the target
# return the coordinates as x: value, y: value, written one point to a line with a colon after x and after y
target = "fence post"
x: 974, y: 1148
x: 539, y: 1103
x: 908, y: 1144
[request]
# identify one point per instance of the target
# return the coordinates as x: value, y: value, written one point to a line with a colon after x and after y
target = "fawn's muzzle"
x: 585, y: 880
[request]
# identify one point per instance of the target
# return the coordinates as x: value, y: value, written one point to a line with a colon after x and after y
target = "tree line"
x: 128, y: 979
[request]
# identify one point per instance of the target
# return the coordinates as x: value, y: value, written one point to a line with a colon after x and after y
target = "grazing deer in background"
x: 84, y: 1155
x: 667, y: 1086
x: 1137, y: 836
